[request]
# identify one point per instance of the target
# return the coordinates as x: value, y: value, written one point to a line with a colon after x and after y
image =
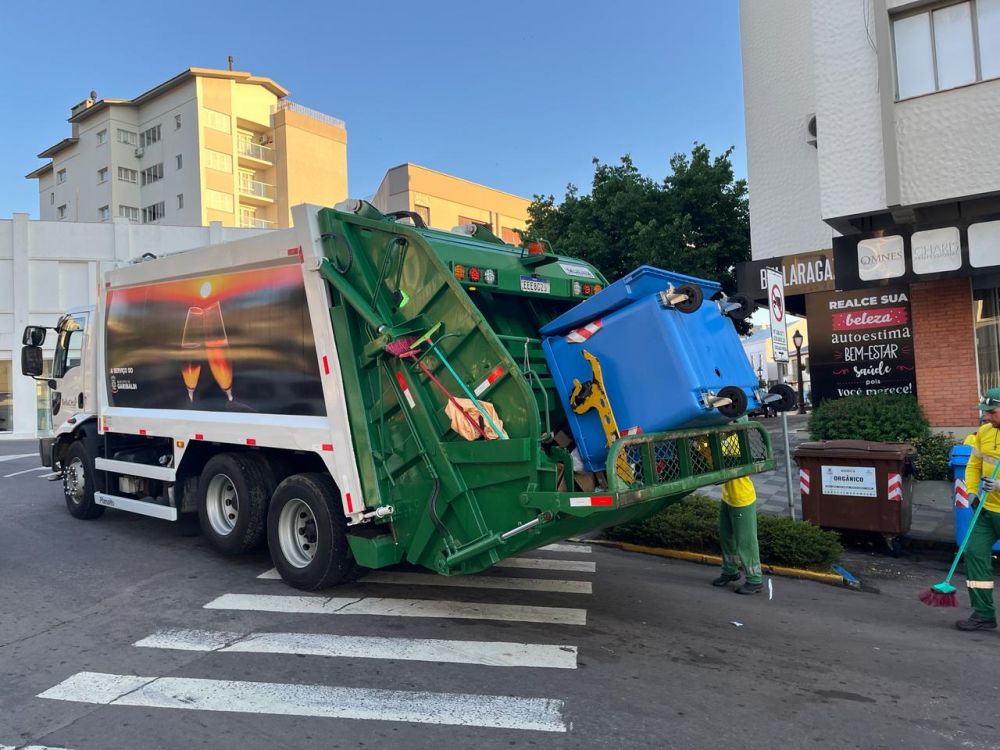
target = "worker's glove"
x: 991, y: 483
x: 973, y: 501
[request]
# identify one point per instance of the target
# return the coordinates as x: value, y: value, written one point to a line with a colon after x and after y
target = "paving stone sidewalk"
x: 933, y: 516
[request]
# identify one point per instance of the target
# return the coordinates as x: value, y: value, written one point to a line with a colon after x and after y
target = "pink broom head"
x: 401, y: 347
x: 933, y: 598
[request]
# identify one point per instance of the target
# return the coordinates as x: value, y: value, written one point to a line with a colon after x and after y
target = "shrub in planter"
x: 693, y: 524
x: 882, y: 417
x: 931, y: 461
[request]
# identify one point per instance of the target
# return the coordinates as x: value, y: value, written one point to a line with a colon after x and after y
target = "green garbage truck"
x: 354, y: 392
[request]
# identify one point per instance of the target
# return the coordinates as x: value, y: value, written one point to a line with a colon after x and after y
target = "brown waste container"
x: 857, y: 485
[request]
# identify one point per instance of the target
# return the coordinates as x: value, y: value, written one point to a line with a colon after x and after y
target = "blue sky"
x: 517, y: 95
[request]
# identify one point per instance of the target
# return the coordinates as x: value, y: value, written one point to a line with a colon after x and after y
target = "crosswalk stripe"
x: 483, y: 653
x: 497, y: 711
x: 25, y: 471
x: 584, y: 548
x: 474, y: 582
x: 541, y: 563
x: 14, y: 458
x: 379, y: 606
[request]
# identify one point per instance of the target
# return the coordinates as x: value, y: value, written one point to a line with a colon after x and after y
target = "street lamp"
x: 797, y: 340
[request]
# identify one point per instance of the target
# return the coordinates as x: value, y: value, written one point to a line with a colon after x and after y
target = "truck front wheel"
x: 78, y: 483
x: 233, y: 493
x: 307, y: 534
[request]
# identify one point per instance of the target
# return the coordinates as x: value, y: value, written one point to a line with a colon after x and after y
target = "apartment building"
x: 874, y: 180
x: 207, y: 145
x: 444, y: 201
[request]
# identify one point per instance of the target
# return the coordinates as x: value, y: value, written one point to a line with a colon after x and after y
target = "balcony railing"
x: 256, y: 151
x: 314, y: 114
x: 257, y: 189
x: 247, y: 223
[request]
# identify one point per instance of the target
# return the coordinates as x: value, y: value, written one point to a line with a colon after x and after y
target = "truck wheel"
x: 233, y: 493
x: 78, y: 483
x: 307, y: 533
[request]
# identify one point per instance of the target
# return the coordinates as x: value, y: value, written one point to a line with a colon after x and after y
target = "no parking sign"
x: 776, y: 307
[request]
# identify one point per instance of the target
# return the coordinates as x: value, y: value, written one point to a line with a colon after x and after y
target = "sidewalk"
x: 933, y: 517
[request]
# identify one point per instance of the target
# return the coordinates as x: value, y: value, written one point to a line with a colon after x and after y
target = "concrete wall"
x: 57, y: 265
x: 310, y: 162
x: 779, y: 98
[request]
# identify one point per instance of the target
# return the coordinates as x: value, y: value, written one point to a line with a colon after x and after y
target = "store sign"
x: 984, y: 244
x: 881, y: 258
x: 852, y: 481
x: 936, y: 251
x: 860, y: 343
x: 801, y: 274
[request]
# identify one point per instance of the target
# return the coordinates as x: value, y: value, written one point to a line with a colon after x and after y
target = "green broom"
x: 943, y: 594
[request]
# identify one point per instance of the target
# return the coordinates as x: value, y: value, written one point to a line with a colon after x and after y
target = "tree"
x: 696, y: 221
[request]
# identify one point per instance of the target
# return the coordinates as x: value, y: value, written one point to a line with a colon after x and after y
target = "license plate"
x: 531, y: 284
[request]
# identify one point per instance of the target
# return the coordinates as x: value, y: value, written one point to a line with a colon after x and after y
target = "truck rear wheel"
x: 307, y: 533
x: 78, y: 483
x: 233, y: 493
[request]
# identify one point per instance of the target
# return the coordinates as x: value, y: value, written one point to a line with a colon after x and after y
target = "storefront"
x: 909, y: 310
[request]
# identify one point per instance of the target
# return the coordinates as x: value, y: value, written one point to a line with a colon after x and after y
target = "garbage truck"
x: 361, y: 390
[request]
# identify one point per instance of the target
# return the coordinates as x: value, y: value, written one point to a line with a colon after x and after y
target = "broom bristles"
x: 933, y: 598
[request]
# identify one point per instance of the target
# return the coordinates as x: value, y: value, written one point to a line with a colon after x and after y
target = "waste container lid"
x: 857, y: 449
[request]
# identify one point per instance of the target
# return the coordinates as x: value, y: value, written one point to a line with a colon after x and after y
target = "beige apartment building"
x: 444, y: 201
x: 207, y: 145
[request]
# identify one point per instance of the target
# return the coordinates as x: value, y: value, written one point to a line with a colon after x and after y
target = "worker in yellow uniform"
x: 979, y: 551
x: 738, y: 536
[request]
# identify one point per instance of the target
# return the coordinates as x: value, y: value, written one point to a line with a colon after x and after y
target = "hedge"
x: 693, y: 524
x: 883, y: 417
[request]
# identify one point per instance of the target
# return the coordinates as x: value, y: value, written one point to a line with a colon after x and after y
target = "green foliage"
x: 695, y: 221
x: 693, y: 524
x: 931, y: 461
x: 882, y: 417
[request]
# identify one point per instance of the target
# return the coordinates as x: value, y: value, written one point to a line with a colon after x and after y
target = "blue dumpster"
x: 663, y: 368
x: 957, y: 460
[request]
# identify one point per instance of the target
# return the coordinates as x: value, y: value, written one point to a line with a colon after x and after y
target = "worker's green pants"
x: 738, y: 537
x: 979, y: 563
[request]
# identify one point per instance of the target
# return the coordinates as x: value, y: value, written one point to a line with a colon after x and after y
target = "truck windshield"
x: 69, y: 347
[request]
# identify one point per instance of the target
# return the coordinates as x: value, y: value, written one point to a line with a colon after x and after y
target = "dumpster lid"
x: 858, y: 449
x: 639, y: 284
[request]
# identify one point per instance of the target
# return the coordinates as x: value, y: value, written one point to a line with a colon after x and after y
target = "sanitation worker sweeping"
x: 984, y: 530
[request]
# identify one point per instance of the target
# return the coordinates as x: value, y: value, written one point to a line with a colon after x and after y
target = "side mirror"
x: 33, y: 336
x: 32, y: 364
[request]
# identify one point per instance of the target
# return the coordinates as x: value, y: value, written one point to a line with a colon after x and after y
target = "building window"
x: 102, y: 175
x: 152, y: 174
x: 61, y: 176
x: 480, y: 222
x: 61, y: 212
x: 150, y: 136
x: 102, y: 137
x: 510, y: 236
x: 128, y: 175
x: 219, y: 201
x: 248, y: 216
x: 218, y: 161
x: 946, y: 47
x: 180, y: 161
x: 129, y: 212
x: 6, y: 397
x: 52, y: 199
x: 128, y: 137
x: 180, y: 201
x: 104, y: 212
x: 153, y: 213
x: 218, y: 121
x: 987, y: 311
x: 424, y: 212
x: 177, y: 122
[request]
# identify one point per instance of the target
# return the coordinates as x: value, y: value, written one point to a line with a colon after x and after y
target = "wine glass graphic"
x: 193, y: 338
x: 217, y: 347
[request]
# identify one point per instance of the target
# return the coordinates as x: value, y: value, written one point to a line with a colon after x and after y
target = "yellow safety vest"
x: 982, y: 462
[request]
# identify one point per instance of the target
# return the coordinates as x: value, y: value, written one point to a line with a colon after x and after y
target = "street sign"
x: 776, y: 306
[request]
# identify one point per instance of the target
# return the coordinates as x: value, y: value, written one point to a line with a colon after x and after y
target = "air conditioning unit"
x: 139, y: 152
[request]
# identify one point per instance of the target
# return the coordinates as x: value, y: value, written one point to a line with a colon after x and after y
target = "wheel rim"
x: 222, y: 504
x: 297, y: 533
x: 75, y: 481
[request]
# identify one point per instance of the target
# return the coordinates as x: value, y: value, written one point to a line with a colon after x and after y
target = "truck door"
x: 69, y: 396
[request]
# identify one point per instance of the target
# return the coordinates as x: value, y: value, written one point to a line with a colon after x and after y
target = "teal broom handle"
x: 968, y: 533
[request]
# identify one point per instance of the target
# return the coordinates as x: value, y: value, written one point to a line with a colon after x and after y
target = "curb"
x: 707, y: 559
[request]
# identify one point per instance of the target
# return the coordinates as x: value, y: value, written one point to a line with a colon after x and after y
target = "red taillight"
x: 474, y: 274
x: 587, y: 289
x: 535, y: 248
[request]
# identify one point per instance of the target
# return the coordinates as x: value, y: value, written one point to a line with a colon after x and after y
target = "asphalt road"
x: 651, y: 657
